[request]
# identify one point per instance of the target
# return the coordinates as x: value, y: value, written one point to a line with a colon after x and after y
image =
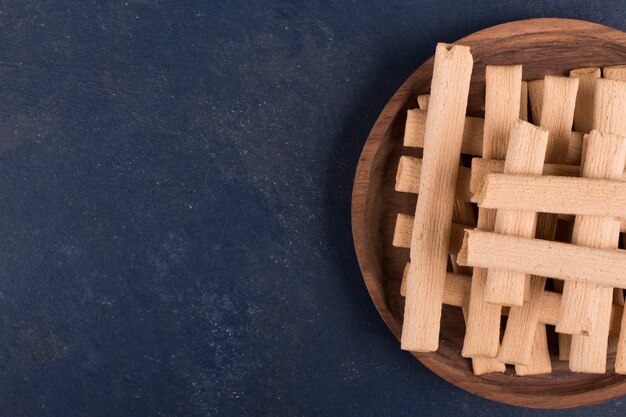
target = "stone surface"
x: 175, y: 184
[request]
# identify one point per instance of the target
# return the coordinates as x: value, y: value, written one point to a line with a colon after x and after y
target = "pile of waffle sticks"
x: 566, y: 169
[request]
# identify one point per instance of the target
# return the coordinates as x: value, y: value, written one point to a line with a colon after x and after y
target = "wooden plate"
x: 543, y: 46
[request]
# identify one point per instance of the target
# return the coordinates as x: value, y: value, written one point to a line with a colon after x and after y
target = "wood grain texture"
x: 525, y: 155
x: 433, y: 215
x: 545, y: 46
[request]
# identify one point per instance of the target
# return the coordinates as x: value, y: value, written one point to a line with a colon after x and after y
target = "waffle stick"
x: 443, y: 137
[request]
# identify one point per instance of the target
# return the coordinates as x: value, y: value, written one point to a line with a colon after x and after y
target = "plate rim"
x: 363, y: 245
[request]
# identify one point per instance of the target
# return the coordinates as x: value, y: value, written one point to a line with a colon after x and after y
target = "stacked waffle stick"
x: 528, y: 178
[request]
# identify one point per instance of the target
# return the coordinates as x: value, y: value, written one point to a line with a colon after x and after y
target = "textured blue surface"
x: 175, y: 205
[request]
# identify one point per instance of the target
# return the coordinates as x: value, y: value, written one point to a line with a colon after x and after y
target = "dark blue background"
x: 175, y: 184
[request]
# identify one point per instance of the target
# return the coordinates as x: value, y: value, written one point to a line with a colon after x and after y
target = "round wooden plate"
x: 543, y: 46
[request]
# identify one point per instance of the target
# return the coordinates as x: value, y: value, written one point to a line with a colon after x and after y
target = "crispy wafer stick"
x: 456, y: 289
x: 555, y: 103
x: 525, y: 155
x: 502, y: 108
x: 415, y: 128
x: 539, y: 354
x: 523, y: 102
x: 564, y: 340
x: 463, y: 213
x: 618, y: 298
x: 516, y: 348
x: 557, y: 113
x: 540, y: 363
x: 472, y: 135
x: 482, y: 366
x: 519, y: 327
x: 542, y: 257
x: 565, y: 344
x: 550, y: 194
x: 523, y: 115
x: 620, y: 356
x: 409, y: 174
x: 588, y: 353
x: 470, y: 182
x: 617, y: 72
x: 611, y: 91
x: 604, y: 159
x: 481, y: 167
x: 609, y: 108
x: 575, y: 149
x: 422, y: 101
x: 404, y: 230
x: 408, y: 179
x: 457, y: 293
x: 583, y: 113
x: 431, y: 231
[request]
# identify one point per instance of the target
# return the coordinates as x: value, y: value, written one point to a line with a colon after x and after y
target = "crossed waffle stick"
x: 516, y: 192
